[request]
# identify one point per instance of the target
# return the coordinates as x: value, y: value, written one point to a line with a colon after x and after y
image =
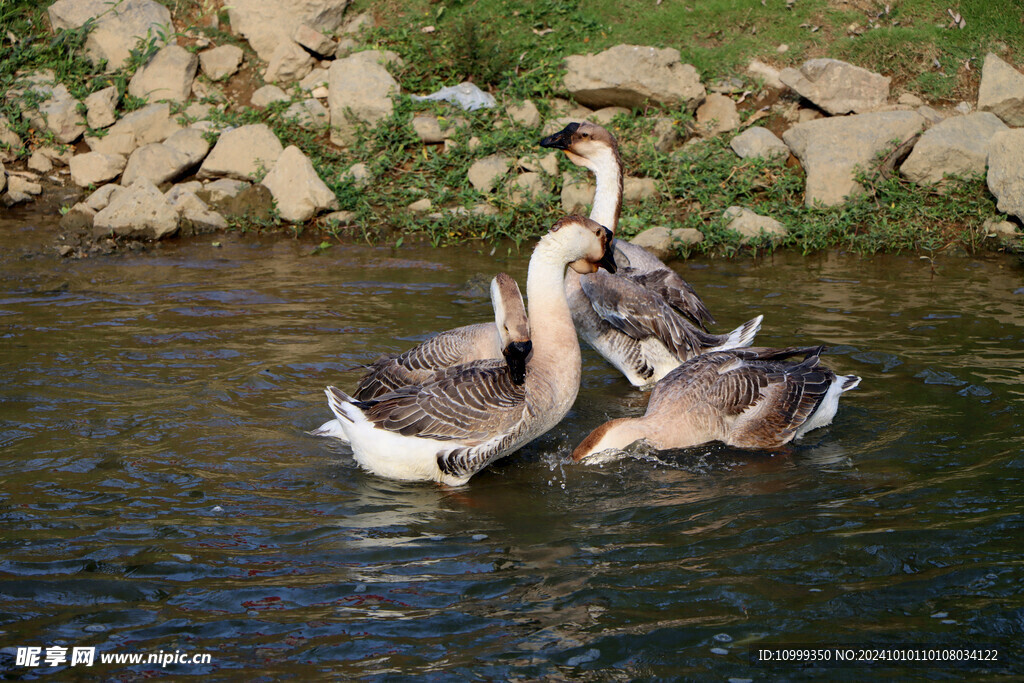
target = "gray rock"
x: 958, y: 146
x: 759, y: 143
x: 718, y: 114
x: 288, y: 63
x: 221, y: 189
x: 268, y: 23
x: 309, y: 113
x: 195, y: 217
x: 10, y: 143
x: 362, y: 88
x: 1006, y: 171
x: 190, y: 142
x: 909, y: 99
x: 314, y: 41
x: 750, y: 224
x: 78, y: 218
x: 242, y: 153
x: 298, y: 190
x: 20, y: 184
x: 118, y: 27
x: 661, y: 241
x: 540, y: 164
x: 420, y: 206
x: 427, y: 128
x: 99, y: 199
x: 220, y: 62
x: 61, y: 157
x: 341, y: 218
x: 175, y: 193
x: 525, y: 114
x: 931, y: 115
x: 636, y: 189
x: 3, y: 177
x: 359, y: 174
x: 485, y: 173
x: 576, y: 197
x: 527, y: 187
x: 101, y: 108
x: 267, y: 95
x: 95, y: 168
x: 632, y: 75
x: 116, y: 143
x: 167, y: 76
x: 39, y: 163
x: 769, y: 75
x: 605, y: 115
x: 314, y: 79
x: 664, y: 135
x: 831, y: 149
x: 1002, y: 90
x: 838, y: 87
x: 158, y: 163
x: 49, y: 106
x: 141, y: 127
x: 994, y: 227
x: 137, y: 211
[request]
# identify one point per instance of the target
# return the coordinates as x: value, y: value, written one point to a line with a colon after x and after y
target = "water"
x: 158, y: 491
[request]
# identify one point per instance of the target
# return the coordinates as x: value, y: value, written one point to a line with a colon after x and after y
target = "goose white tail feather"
x: 742, y: 335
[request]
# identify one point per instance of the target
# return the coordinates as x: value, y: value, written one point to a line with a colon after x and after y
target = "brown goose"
x: 449, y: 428
x: 746, y: 398
x: 645, y: 320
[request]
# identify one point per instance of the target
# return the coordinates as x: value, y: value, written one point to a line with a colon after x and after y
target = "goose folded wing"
x: 675, y: 291
x: 640, y: 313
x: 468, y: 403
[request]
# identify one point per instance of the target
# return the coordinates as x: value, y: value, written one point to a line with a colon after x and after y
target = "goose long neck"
x: 554, y: 338
x: 607, y: 169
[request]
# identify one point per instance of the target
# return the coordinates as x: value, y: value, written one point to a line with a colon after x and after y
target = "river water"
x: 159, y: 493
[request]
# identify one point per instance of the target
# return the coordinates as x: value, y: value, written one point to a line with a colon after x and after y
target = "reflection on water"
x: 159, y: 491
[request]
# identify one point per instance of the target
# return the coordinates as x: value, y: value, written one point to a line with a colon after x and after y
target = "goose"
x: 750, y: 398
x: 508, y: 336
x: 450, y: 427
x: 645, y: 320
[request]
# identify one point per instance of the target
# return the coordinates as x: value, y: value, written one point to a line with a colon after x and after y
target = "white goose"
x: 449, y: 428
x: 508, y: 336
x: 645, y: 320
x: 747, y: 398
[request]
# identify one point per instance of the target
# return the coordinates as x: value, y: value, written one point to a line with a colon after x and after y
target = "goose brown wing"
x: 469, y: 403
x: 639, y: 313
x: 675, y: 291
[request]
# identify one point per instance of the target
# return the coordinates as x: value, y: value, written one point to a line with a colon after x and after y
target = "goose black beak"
x: 608, y: 258
x: 516, y: 354
x: 561, y: 139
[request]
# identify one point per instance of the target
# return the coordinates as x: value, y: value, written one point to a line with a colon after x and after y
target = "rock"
x: 359, y: 174
x: 994, y: 227
x: 958, y: 146
x: 768, y: 75
x: 360, y: 87
x: 137, y: 211
x: 838, y: 87
x: 1002, y: 90
x: 267, y: 95
x: 716, y: 115
x: 3, y: 177
x: 309, y: 114
x: 99, y: 199
x: 101, y: 108
x: 661, y: 241
x: 117, y: 28
x: 39, y: 163
x: 220, y: 62
x: 931, y: 115
x: 207, y: 92
x: 253, y: 203
x: 314, y: 41
x: 79, y: 218
x: 638, y: 189
x: 604, y: 115
x: 242, y: 153
x: 750, y: 224
x: 910, y: 100
x: 805, y: 114
x: 219, y: 190
x: 298, y: 190
x: 288, y: 63
x: 167, y: 76
x: 268, y: 23
x: 420, y: 206
x: 357, y: 23
x: 10, y: 143
x: 17, y: 183
x: 1006, y: 171
x: 314, y: 79
x: 576, y: 197
x: 831, y: 149
x: 427, y: 128
x: 190, y: 142
x: 485, y: 173
x: 528, y: 187
x: 632, y: 75
x: 50, y: 107
x: 197, y: 111
x: 158, y: 163
x: 759, y: 143
x: 60, y: 157
x: 341, y: 218
x: 545, y: 164
x: 195, y: 216
x: 525, y: 114
x: 95, y: 168
x: 141, y: 127
x: 963, y: 108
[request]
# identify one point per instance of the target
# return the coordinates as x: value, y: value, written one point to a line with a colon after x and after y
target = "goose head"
x: 513, y: 325
x: 586, y: 144
x: 591, y: 240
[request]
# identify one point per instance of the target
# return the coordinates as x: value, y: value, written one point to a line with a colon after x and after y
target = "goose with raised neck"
x: 753, y: 398
x: 449, y: 428
x: 645, y: 320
